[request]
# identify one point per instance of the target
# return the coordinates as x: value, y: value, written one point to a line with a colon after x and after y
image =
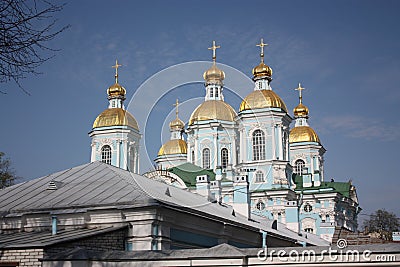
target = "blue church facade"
x: 251, y: 159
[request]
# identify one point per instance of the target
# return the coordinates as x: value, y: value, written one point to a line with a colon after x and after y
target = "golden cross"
x: 261, y: 45
x: 177, y: 107
x: 300, y: 89
x: 214, y: 48
x: 116, y: 66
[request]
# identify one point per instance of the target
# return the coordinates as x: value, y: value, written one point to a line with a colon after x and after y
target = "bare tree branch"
x: 26, y: 27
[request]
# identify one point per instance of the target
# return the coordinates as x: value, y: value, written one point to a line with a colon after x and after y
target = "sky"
x: 345, y: 53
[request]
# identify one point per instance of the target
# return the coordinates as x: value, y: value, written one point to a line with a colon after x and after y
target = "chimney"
x: 241, y: 197
x: 203, y: 186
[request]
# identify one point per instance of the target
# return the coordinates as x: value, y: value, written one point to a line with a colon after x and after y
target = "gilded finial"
x: 214, y: 48
x: 299, y: 88
x: 261, y: 45
x: 177, y: 107
x: 116, y: 66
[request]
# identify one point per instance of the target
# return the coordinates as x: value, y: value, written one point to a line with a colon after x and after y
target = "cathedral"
x: 248, y: 157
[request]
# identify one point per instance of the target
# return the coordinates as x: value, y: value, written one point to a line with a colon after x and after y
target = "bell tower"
x: 115, y: 133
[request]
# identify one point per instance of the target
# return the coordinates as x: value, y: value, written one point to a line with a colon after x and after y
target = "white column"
x: 280, y: 154
x: 273, y: 142
x: 233, y: 159
x: 215, y: 161
x: 117, y: 162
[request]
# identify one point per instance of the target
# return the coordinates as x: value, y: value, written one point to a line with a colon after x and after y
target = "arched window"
x: 193, y: 161
x: 299, y: 166
x: 259, y: 177
x: 258, y: 145
x: 216, y: 92
x: 106, y: 154
x: 224, y: 158
x: 212, y: 92
x: 206, y: 158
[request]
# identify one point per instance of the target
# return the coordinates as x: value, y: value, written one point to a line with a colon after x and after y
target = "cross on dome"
x: 116, y: 66
x: 177, y: 107
x: 214, y: 48
x: 261, y: 45
x: 299, y: 88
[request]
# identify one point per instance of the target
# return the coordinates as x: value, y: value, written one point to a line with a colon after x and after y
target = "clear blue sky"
x: 345, y: 53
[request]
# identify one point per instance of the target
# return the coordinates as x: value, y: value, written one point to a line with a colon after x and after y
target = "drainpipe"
x: 264, y: 238
x: 53, y: 225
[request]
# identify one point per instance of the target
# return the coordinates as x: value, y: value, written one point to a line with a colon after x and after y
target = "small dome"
x: 176, y: 146
x: 115, y: 117
x: 214, y: 75
x: 176, y: 125
x: 116, y: 90
x: 303, y: 134
x: 213, y: 110
x: 262, y: 70
x: 262, y: 99
x: 300, y: 111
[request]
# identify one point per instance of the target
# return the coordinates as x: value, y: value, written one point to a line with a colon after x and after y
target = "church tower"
x: 306, y: 150
x: 115, y: 133
x: 173, y: 152
x: 264, y: 133
x: 212, y: 127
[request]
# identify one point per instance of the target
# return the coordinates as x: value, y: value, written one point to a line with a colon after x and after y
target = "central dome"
x: 213, y: 110
x: 262, y: 99
x: 303, y: 134
x: 176, y: 146
x: 115, y: 117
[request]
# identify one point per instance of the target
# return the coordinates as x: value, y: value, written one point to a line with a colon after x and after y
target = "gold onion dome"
x: 303, y: 134
x: 116, y: 90
x: 262, y: 99
x: 262, y: 70
x: 213, y: 110
x: 176, y: 124
x: 214, y: 75
x: 115, y: 117
x: 176, y: 146
x: 300, y: 111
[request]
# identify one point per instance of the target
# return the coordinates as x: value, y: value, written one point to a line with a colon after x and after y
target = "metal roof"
x: 45, y: 238
x: 100, y: 185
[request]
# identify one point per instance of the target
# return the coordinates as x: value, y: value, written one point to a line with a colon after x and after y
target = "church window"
x: 307, y: 208
x: 211, y: 92
x: 224, y: 158
x: 216, y: 92
x: 206, y: 158
x: 299, y: 167
x: 259, y: 177
x: 258, y: 145
x: 309, y: 230
x: 193, y: 161
x: 106, y: 154
x: 260, y: 205
x: 260, y: 85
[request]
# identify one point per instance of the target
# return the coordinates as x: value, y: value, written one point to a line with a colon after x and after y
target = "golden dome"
x: 300, y: 111
x: 176, y: 124
x: 176, y: 146
x: 116, y: 90
x: 214, y: 74
x: 213, y: 110
x: 303, y: 134
x: 262, y: 99
x: 262, y: 70
x: 115, y: 117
